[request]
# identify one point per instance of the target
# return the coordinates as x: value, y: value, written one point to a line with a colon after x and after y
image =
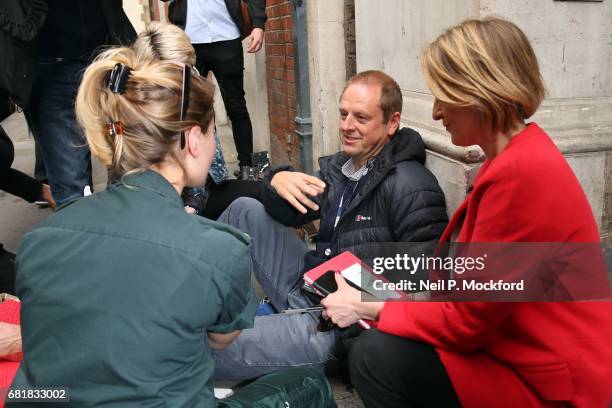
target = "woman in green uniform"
x: 124, y: 293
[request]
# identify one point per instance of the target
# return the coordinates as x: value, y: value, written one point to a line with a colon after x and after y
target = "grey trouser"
x: 276, y: 341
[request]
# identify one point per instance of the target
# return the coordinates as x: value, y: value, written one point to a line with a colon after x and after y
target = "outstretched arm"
x: 291, y: 198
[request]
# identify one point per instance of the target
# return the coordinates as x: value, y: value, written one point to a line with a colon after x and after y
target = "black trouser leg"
x: 5, y: 110
x: 231, y: 87
x: 13, y: 181
x: 226, y: 61
x: 220, y: 197
x: 7, y: 151
x: 390, y: 371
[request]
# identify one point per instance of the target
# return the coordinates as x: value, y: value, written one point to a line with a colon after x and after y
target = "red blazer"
x: 519, y: 354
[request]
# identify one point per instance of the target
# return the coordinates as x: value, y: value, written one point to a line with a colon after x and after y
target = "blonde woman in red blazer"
x: 486, y: 82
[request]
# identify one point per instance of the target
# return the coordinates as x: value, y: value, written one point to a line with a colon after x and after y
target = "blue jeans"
x: 276, y: 341
x: 51, y: 117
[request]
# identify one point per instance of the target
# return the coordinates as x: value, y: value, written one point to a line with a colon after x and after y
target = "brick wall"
x: 281, y: 83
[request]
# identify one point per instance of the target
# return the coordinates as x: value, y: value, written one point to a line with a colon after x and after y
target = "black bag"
x: 298, y: 387
x: 20, y: 21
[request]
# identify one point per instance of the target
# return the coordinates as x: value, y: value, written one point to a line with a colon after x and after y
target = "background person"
x: 486, y: 82
x: 73, y: 30
x: 13, y: 181
x: 19, y: 184
x: 123, y: 293
x: 214, y: 27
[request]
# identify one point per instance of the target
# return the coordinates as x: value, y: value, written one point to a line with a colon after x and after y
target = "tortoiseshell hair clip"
x: 115, y: 128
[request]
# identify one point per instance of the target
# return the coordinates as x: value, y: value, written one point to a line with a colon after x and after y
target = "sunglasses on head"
x: 185, y: 95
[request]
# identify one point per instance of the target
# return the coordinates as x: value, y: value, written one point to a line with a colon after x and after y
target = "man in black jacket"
x: 375, y: 191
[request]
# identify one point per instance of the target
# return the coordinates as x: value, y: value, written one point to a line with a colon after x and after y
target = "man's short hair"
x: 390, y: 93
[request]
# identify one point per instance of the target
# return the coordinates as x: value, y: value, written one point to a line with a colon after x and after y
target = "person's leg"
x: 295, y: 388
x: 227, y: 63
x: 51, y: 116
x: 40, y: 170
x: 235, y: 104
x: 202, y: 58
x: 5, y: 107
x: 7, y: 152
x: 221, y: 196
x: 276, y: 341
x: 390, y: 371
x: 276, y: 251
x: 13, y: 181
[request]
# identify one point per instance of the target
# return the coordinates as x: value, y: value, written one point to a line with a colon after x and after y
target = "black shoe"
x: 255, y: 170
x: 246, y: 173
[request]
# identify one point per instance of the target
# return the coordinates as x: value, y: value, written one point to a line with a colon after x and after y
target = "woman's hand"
x: 344, y: 307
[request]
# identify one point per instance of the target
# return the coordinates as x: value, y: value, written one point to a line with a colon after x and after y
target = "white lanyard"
x: 339, y: 211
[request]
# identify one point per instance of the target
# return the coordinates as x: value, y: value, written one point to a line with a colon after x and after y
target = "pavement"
x: 18, y: 216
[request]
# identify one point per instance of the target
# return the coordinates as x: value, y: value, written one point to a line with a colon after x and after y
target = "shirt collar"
x: 153, y: 181
x: 350, y: 170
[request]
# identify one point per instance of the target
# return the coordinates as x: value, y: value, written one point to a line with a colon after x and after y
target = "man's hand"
x: 295, y: 187
x: 256, y: 40
x: 344, y: 307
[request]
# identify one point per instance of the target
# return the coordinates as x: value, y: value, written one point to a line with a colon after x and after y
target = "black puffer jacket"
x: 399, y: 201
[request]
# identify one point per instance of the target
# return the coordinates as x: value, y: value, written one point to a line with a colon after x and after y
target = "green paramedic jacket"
x: 119, y: 290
